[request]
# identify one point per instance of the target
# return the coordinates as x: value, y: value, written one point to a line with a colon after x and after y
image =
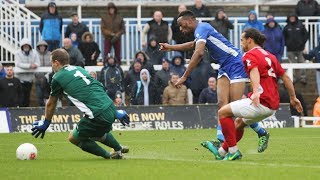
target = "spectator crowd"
x: 142, y: 85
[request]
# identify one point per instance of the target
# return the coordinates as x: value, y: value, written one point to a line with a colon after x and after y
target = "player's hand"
x: 40, y: 127
x: 255, y: 97
x: 180, y: 81
x: 164, y: 47
x: 296, y: 104
x: 123, y: 117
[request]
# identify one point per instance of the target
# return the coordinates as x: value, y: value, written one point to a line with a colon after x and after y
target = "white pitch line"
x: 237, y: 162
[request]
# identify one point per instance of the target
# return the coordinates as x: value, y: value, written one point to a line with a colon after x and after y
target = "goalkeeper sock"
x: 111, y: 142
x: 220, y: 136
x: 92, y: 147
x: 258, y: 129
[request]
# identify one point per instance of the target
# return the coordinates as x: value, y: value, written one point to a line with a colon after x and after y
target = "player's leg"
x: 87, y: 144
x: 108, y: 139
x: 236, y: 92
x: 223, y: 87
x: 223, y: 84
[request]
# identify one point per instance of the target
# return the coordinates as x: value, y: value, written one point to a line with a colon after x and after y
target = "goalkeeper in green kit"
x: 90, y: 97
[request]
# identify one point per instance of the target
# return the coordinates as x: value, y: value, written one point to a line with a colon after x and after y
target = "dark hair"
x: 187, y: 13
x: 60, y: 55
x: 254, y: 34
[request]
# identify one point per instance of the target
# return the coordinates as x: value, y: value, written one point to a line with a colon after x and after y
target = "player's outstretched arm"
x: 177, y: 47
x: 195, y: 59
x: 41, y: 126
x: 290, y: 88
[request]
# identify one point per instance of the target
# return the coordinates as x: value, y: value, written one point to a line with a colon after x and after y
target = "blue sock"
x: 258, y: 129
x: 220, y: 136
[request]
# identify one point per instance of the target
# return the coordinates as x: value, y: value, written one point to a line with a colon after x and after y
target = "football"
x: 26, y: 151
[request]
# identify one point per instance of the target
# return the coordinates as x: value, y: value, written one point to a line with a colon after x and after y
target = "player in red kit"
x: 263, y: 69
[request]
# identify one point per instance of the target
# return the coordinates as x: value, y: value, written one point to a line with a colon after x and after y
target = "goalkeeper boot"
x: 116, y: 155
x: 235, y: 156
x: 213, y: 149
x: 124, y: 149
x: 263, y: 143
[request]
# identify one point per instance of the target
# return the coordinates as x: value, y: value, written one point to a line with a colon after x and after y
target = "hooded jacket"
x: 179, y: 69
x: 112, y: 23
x: 51, y: 25
x: 89, y: 48
x: 254, y: 23
x: 144, y: 92
x: 154, y: 54
x: 23, y: 60
x: 111, y: 76
x: 222, y: 25
x: 307, y: 8
x: 174, y: 96
x: 275, y: 40
x: 295, y: 34
x: 44, y: 56
x: 146, y: 64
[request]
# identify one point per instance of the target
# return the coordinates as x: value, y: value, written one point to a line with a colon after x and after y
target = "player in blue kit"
x: 231, y: 77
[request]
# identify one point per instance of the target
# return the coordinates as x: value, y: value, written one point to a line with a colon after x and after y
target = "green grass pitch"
x: 292, y: 154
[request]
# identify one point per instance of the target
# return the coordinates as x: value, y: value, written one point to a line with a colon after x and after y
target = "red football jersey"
x: 269, y: 69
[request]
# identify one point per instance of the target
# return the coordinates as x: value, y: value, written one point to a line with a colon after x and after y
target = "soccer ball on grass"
x: 26, y: 151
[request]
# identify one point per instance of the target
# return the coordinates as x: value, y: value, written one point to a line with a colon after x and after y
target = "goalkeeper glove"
x: 123, y: 117
x: 40, y: 127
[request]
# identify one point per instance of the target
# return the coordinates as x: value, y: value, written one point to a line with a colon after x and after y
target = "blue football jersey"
x: 220, y: 49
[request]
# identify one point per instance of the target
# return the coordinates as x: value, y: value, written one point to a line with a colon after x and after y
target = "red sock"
x: 229, y: 131
x: 225, y: 146
x: 239, y: 134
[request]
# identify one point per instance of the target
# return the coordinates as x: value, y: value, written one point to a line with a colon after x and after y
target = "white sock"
x: 222, y: 152
x: 233, y: 149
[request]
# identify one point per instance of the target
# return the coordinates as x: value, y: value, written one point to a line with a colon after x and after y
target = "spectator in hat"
x: 51, y: 27
x: 112, y: 27
x: 75, y: 27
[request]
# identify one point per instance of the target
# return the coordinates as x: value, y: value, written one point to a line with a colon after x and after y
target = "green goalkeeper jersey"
x: 86, y: 93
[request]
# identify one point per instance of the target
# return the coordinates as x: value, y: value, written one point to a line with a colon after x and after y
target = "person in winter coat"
x: 144, y: 91
x: 51, y: 27
x: 112, y: 28
x: 76, y: 27
x: 296, y: 36
x: 131, y: 78
x: 75, y: 55
x: 253, y: 22
x: 41, y: 82
x: 221, y: 23
x: 177, y: 64
x: 275, y: 40
x: 144, y: 59
x: 209, y: 94
x: 314, y: 55
x: 158, y: 28
x: 307, y: 8
x: 153, y: 52
x: 26, y: 58
x: 200, y: 10
x: 111, y: 76
x: 173, y: 95
x: 162, y: 78
x: 89, y: 49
